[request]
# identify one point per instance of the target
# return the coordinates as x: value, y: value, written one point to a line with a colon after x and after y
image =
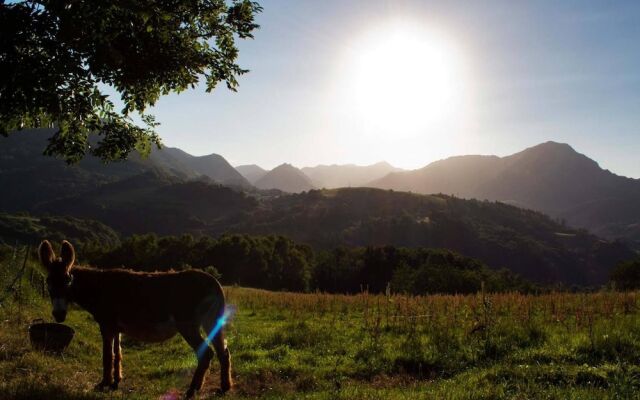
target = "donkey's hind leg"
x: 117, y: 361
x: 204, y: 354
x: 107, y: 358
x: 225, y: 361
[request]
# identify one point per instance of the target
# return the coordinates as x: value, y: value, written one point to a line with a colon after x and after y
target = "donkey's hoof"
x: 102, y: 385
x: 190, y: 393
x: 114, y: 386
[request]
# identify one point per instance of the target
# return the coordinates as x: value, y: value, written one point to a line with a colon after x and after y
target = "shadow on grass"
x: 31, y: 392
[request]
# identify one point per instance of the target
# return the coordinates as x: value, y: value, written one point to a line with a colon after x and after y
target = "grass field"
x: 318, y: 346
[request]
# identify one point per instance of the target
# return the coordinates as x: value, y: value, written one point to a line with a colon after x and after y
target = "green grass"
x: 317, y: 346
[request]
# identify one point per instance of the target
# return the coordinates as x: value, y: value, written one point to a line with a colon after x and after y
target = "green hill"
x: 526, y: 242
x: 158, y: 203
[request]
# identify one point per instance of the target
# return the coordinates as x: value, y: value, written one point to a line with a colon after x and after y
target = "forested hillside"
x: 27, y: 229
x: 165, y: 198
x: 34, y: 179
x: 278, y: 263
x: 525, y: 242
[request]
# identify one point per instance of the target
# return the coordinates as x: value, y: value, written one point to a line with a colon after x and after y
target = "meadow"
x: 326, y: 346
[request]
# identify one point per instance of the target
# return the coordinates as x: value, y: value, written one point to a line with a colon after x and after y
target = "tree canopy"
x: 58, y: 56
x: 278, y: 263
x: 626, y: 275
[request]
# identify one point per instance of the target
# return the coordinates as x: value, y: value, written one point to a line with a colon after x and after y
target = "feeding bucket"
x: 50, y: 336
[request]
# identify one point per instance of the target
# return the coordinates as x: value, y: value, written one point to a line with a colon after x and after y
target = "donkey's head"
x: 58, y: 278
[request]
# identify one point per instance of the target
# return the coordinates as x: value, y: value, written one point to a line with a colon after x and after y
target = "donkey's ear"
x: 68, y: 254
x: 46, y: 254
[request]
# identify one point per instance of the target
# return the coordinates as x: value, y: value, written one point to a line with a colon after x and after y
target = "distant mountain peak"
x: 551, y: 143
x: 285, y: 165
x: 251, y: 172
x: 213, y: 166
x: 287, y: 178
x: 552, y: 146
x: 250, y: 166
x: 553, y: 155
x: 212, y: 155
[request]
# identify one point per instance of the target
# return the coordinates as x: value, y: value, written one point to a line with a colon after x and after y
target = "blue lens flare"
x: 220, y: 323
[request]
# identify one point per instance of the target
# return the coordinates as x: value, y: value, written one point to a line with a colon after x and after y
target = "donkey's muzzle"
x: 59, y: 316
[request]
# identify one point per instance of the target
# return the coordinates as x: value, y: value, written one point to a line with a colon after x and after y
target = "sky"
x: 411, y: 82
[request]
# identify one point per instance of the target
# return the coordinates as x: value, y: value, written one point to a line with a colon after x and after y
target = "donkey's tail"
x: 214, y: 313
x: 213, y: 322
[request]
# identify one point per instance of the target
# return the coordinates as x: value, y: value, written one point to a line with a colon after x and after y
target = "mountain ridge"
x: 142, y: 196
x: 550, y: 177
x: 213, y: 166
x: 35, y: 178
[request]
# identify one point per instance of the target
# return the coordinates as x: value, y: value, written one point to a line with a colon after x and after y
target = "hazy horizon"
x: 405, y: 169
x: 500, y: 77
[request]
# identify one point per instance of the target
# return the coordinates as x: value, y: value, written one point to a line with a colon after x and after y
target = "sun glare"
x: 405, y: 79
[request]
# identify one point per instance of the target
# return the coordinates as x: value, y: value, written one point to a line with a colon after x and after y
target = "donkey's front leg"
x: 107, y: 357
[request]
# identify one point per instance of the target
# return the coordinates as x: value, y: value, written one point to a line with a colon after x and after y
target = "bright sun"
x: 406, y: 79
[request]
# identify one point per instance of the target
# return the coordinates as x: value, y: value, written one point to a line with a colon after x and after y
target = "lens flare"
x: 220, y: 323
x: 172, y: 394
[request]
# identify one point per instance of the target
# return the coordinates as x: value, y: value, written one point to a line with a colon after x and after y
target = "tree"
x: 626, y: 276
x: 58, y: 56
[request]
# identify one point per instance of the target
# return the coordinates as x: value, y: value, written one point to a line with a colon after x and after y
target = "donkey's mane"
x: 124, y: 270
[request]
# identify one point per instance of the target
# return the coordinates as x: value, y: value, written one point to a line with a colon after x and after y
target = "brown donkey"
x: 146, y: 306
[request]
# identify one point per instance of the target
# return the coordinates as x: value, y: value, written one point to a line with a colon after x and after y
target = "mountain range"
x: 35, y: 179
x: 212, y: 166
x: 503, y: 236
x: 551, y: 177
x: 288, y: 178
x: 173, y: 193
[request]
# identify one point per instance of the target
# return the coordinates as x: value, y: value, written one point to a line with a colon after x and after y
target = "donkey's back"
x: 153, y: 306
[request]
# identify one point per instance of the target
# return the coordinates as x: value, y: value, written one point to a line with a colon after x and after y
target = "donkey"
x: 145, y: 306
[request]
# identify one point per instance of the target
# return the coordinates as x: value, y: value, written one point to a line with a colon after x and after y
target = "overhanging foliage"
x: 58, y: 56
